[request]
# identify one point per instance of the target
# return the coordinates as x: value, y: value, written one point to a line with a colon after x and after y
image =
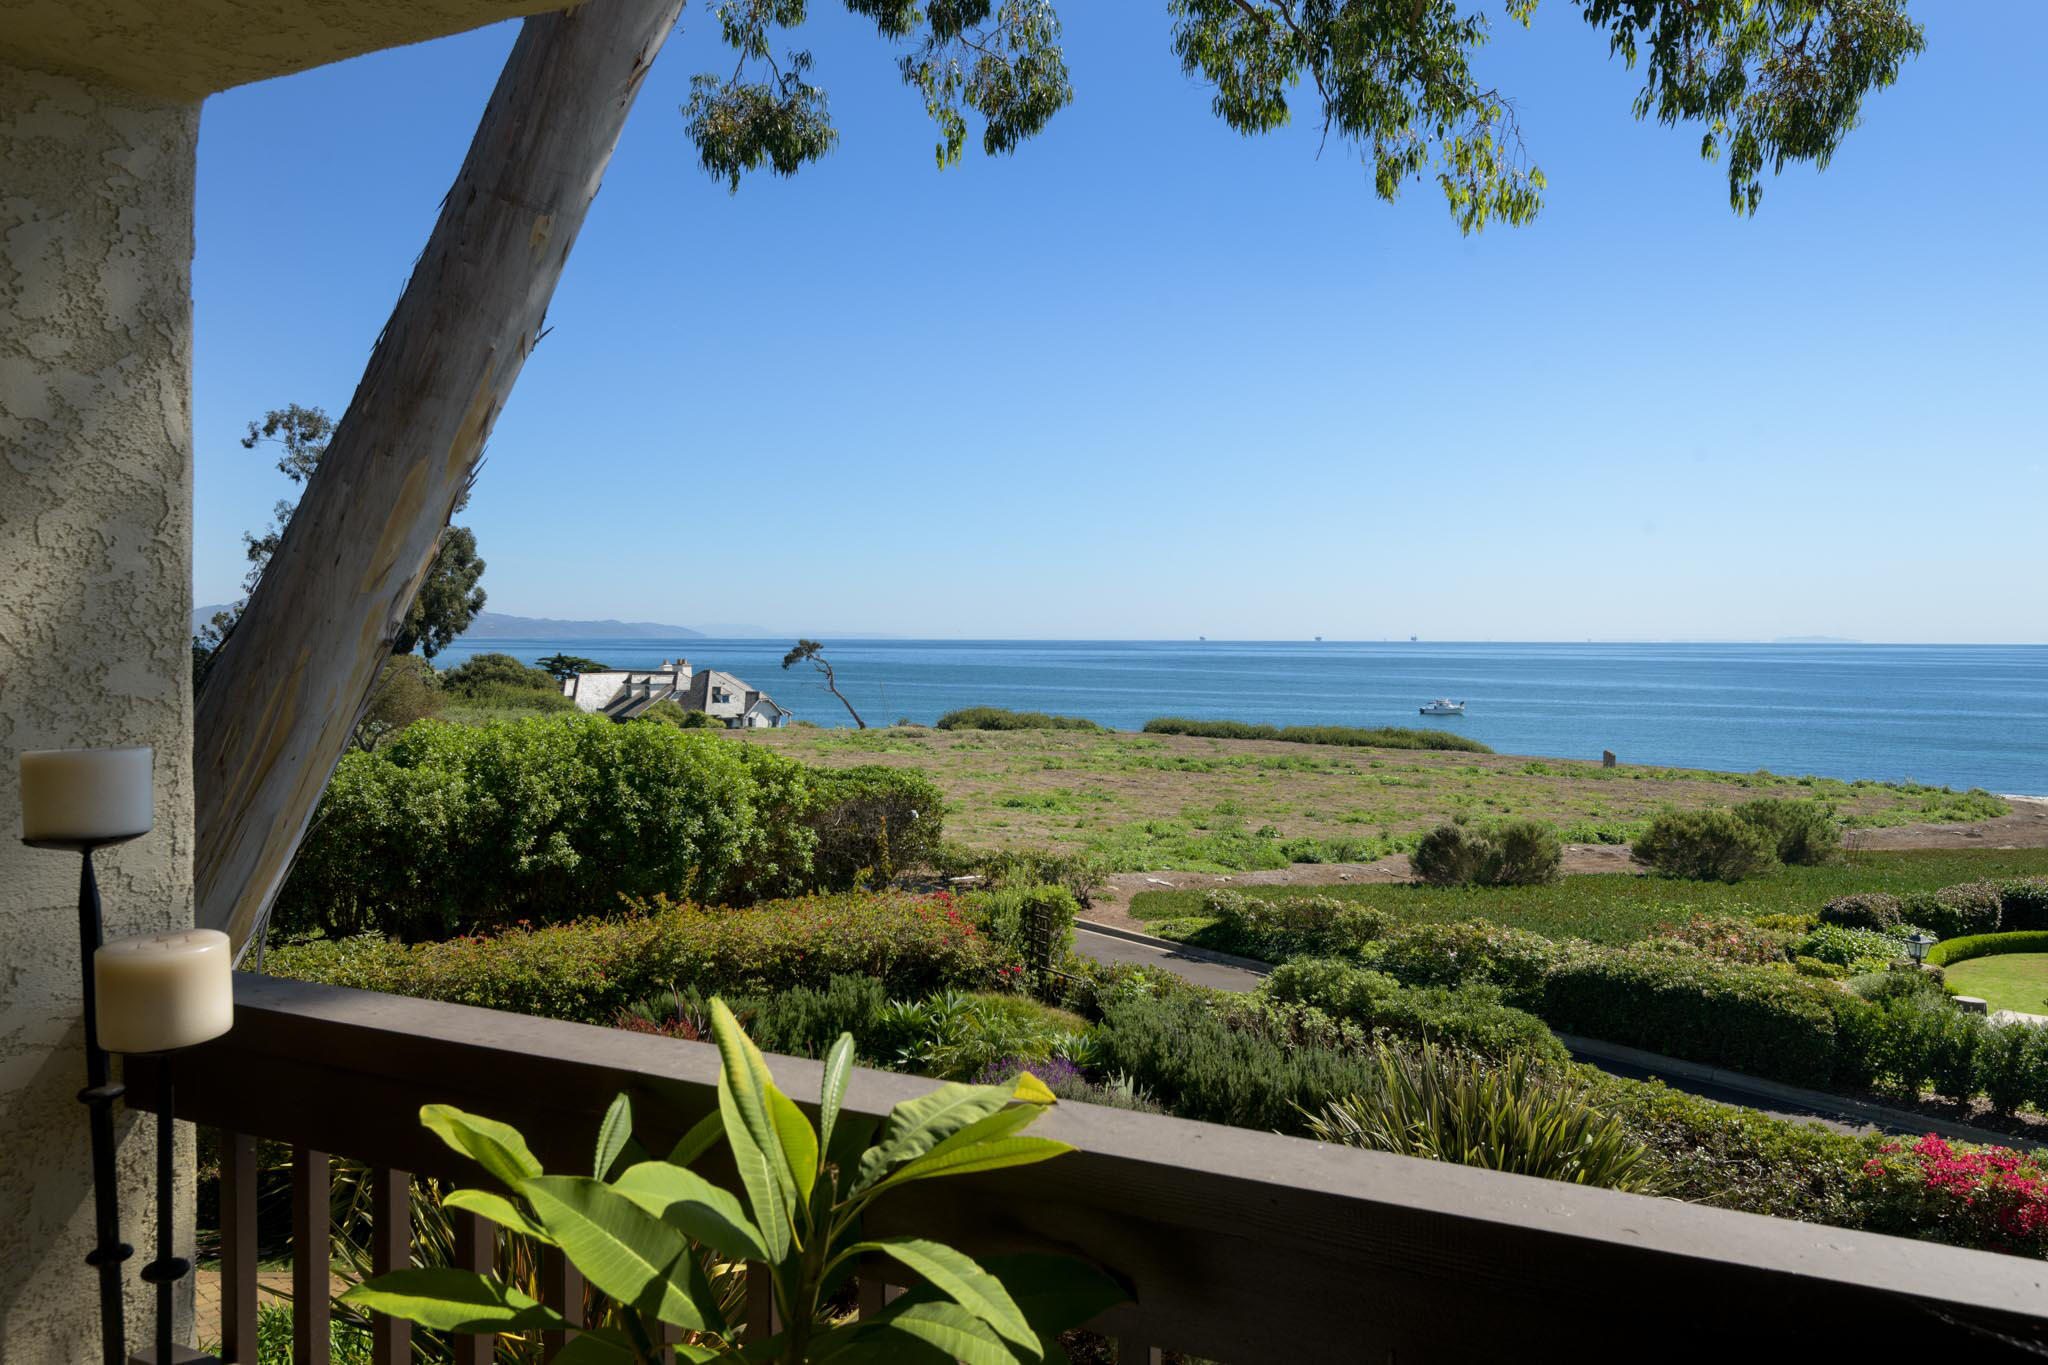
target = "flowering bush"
x: 1958, y: 1193
x: 1732, y: 938
x: 592, y: 969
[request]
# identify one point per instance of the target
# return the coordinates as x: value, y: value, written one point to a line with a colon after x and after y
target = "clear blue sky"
x: 1147, y: 378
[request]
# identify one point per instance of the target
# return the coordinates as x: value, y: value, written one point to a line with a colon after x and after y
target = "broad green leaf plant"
x: 647, y: 1233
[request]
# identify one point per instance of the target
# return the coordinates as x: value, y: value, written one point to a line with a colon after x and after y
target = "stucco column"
x: 95, y: 599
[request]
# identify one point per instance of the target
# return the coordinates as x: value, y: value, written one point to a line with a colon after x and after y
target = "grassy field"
x: 1620, y: 909
x: 1145, y: 802
x: 2007, y: 981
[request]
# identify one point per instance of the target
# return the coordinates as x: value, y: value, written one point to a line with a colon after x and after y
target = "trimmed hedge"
x: 1874, y: 910
x: 1987, y: 945
x: 1471, y: 1016
x: 2023, y: 903
x: 1954, y: 911
x: 1514, y: 961
x: 591, y: 970
x: 1751, y: 1019
x: 458, y: 828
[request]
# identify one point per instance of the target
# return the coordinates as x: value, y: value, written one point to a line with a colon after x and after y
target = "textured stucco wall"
x: 194, y: 47
x: 95, y: 590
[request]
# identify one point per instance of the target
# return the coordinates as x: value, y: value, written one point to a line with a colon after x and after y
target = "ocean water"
x: 1966, y: 715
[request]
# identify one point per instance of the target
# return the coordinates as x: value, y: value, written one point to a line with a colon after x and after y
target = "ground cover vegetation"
x: 1780, y: 994
x: 1001, y: 718
x: 1350, y: 736
x: 1144, y: 802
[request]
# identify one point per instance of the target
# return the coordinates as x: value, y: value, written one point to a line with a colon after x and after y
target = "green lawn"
x: 2005, y: 981
x: 1620, y: 909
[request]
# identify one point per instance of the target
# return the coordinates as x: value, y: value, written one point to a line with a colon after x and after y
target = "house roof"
x: 190, y: 49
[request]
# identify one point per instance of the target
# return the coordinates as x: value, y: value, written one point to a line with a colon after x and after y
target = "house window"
x: 720, y: 694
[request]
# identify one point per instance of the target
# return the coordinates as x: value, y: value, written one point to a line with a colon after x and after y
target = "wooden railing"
x: 1239, y: 1246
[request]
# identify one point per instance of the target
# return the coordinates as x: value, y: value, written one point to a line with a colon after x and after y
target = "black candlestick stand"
x: 166, y: 1270
x: 109, y: 1251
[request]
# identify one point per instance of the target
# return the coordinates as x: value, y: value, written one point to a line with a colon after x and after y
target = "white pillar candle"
x: 87, y: 795
x: 163, y: 991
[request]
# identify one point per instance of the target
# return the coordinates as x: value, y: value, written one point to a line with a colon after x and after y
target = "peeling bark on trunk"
x: 278, y: 708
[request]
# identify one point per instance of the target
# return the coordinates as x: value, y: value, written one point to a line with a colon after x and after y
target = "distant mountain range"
x: 496, y: 625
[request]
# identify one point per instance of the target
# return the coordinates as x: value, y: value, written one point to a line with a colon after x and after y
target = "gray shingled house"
x: 623, y: 693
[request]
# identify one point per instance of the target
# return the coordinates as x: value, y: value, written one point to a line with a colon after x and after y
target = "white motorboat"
x: 1444, y: 706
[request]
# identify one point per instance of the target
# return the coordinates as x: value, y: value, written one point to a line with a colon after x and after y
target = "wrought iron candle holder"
x: 108, y: 1251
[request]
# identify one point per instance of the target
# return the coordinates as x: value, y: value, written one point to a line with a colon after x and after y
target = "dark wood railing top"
x: 1239, y: 1245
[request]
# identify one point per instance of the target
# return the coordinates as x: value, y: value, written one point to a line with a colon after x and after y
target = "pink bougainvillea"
x: 1959, y: 1192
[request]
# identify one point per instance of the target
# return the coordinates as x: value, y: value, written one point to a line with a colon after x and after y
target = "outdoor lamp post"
x: 1919, y: 944
x: 80, y: 800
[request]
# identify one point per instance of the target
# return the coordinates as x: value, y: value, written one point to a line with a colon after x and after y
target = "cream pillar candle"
x: 157, y: 992
x: 86, y: 795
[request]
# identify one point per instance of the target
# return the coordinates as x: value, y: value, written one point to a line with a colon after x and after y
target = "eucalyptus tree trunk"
x: 283, y: 697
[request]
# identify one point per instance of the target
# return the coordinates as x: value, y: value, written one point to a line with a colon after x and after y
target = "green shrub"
x: 2012, y: 1067
x: 1452, y: 854
x: 958, y: 1036
x: 482, y: 677
x: 1082, y: 874
x: 1195, y: 1064
x: 1513, y: 960
x: 1734, y: 1158
x: 1706, y: 845
x: 452, y: 828
x: 1000, y: 718
x: 1512, y: 853
x: 1387, y: 737
x: 1444, y: 1105
x: 669, y: 711
x: 591, y: 970
x: 1732, y: 938
x: 1471, y: 1016
x: 1287, y: 926
x: 1036, y: 923
x: 1952, y: 950
x: 803, y: 1021
x: 1753, y: 1019
x: 1856, y: 950
x: 870, y: 821
x: 1803, y: 833
x: 1813, y: 966
x: 2023, y: 904
x: 1874, y: 910
x: 1954, y: 911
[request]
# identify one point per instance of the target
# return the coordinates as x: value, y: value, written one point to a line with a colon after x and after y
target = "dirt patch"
x: 2026, y: 827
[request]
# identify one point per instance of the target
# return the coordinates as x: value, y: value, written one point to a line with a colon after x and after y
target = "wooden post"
x: 238, y: 1254
x: 285, y: 693
x: 476, y: 1248
x: 390, y: 1249
x: 312, y: 1309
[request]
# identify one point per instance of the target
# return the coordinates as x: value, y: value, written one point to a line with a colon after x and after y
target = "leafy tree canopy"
x: 560, y: 666
x: 448, y: 600
x: 1767, y: 81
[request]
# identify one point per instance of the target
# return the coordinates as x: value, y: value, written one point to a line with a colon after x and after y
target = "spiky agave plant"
x: 635, y: 1228
x: 1447, y: 1105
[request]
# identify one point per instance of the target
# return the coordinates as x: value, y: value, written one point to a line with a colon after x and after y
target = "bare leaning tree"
x: 813, y: 653
x: 1770, y: 82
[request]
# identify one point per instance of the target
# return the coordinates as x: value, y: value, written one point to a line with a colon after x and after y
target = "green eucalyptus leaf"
x: 449, y: 1300
x: 699, y: 1209
x: 612, y: 1136
x: 955, y: 1274
x: 498, y: 1209
x: 621, y: 1248
x: 497, y: 1147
